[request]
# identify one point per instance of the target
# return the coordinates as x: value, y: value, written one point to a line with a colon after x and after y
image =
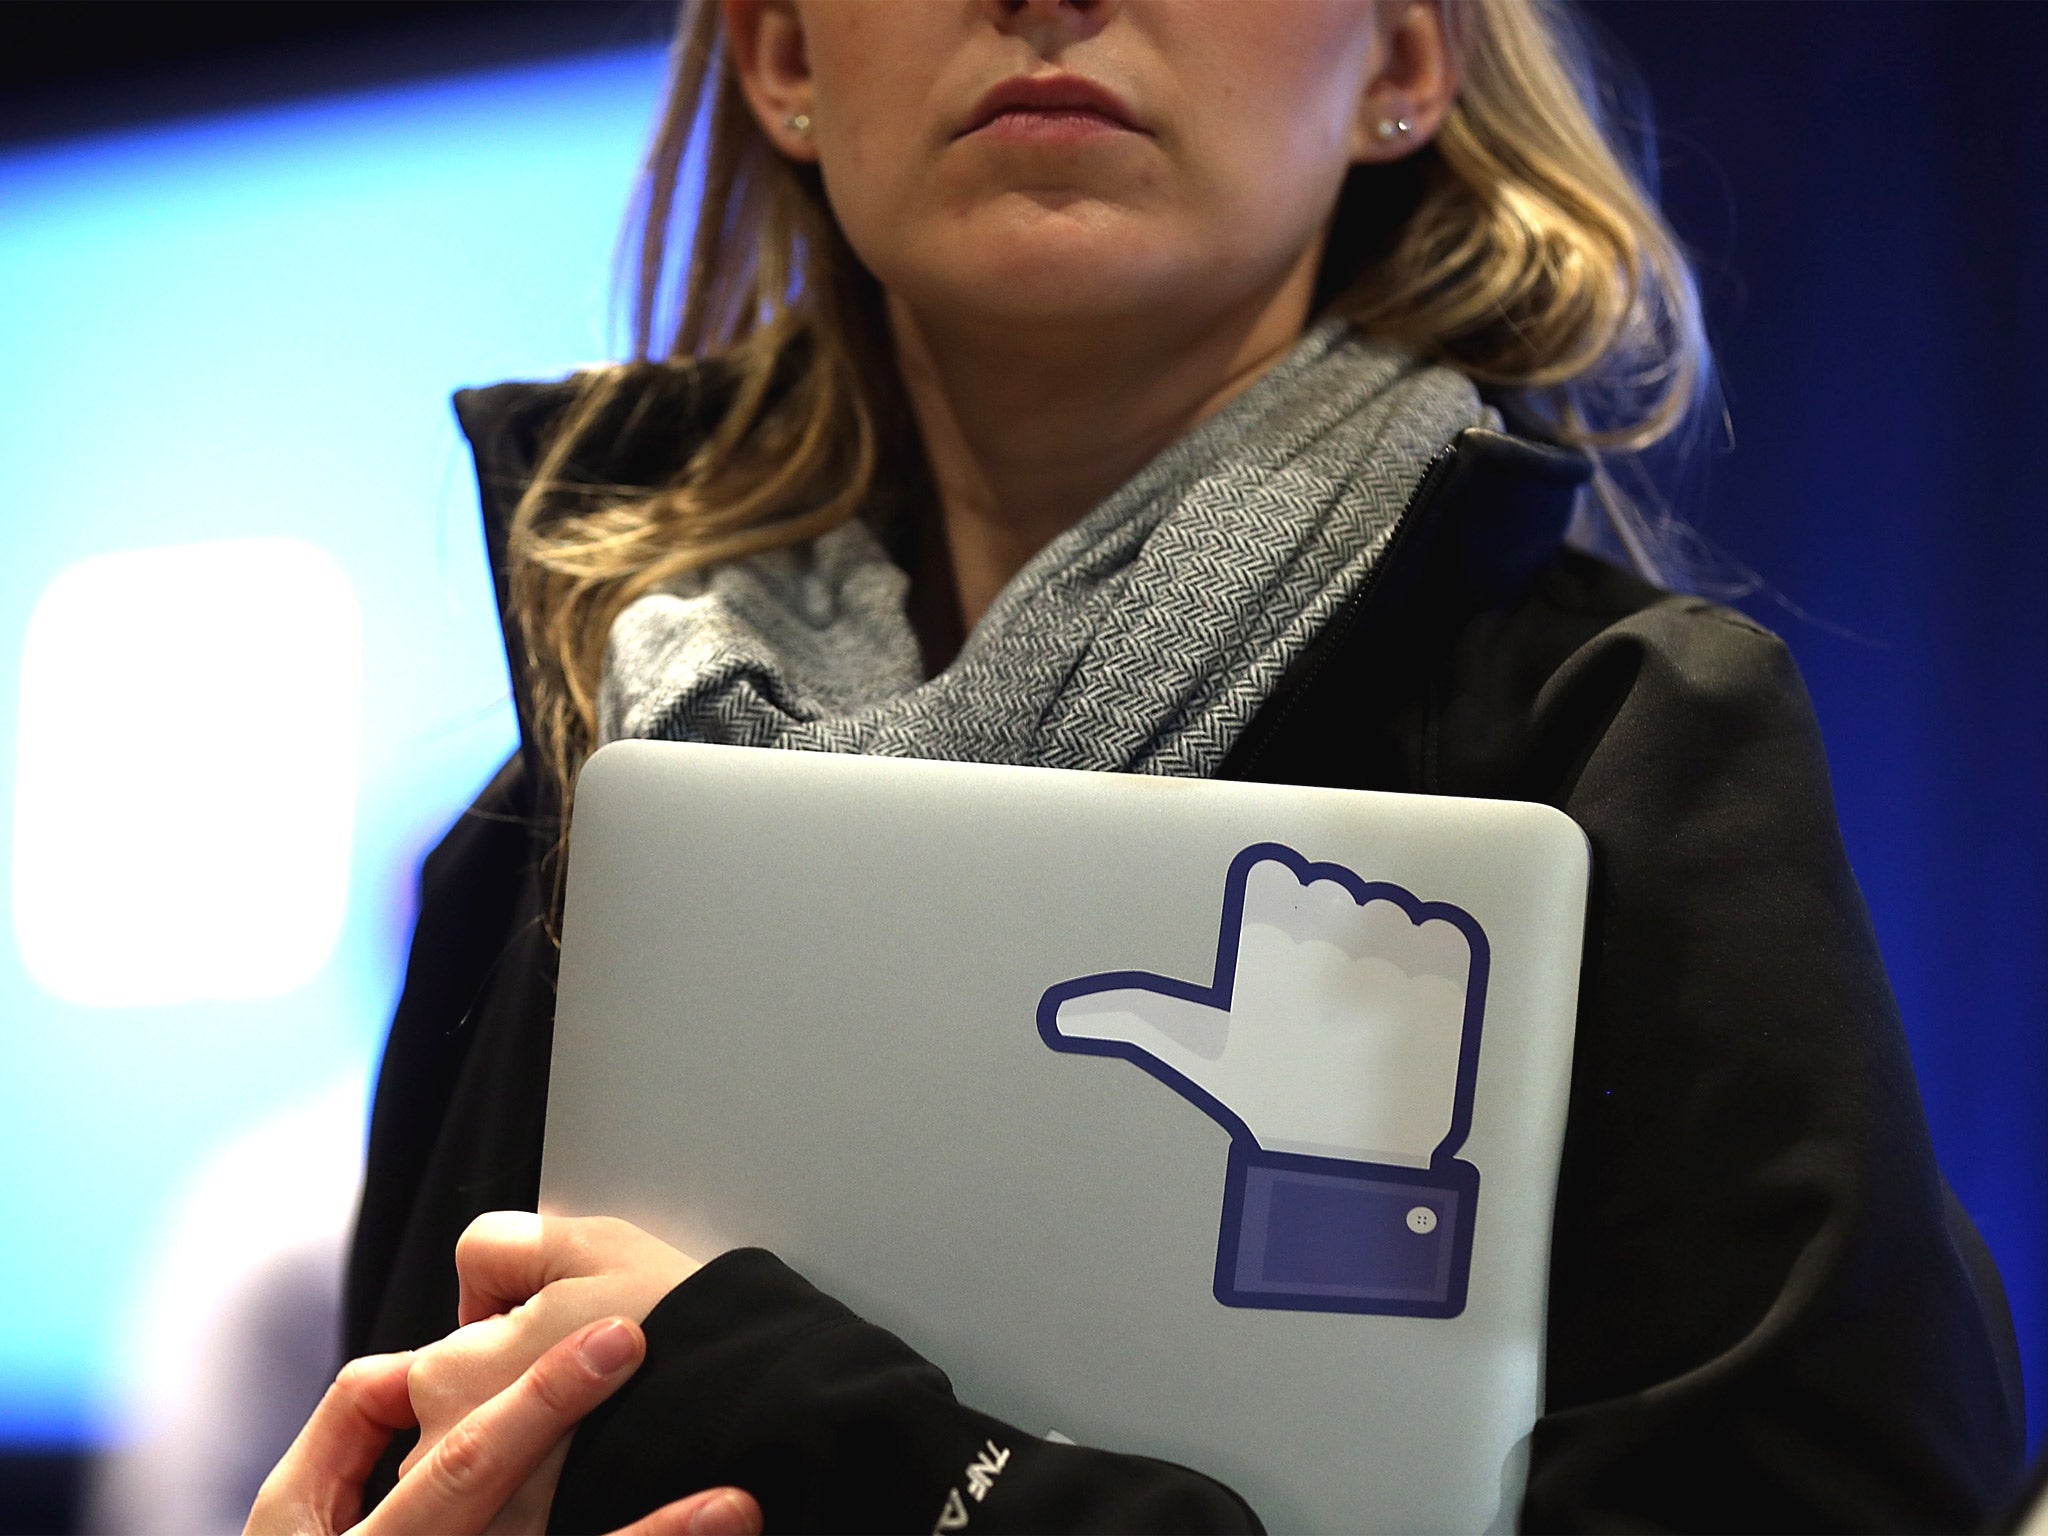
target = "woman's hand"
x: 464, y: 1482
x: 528, y: 1282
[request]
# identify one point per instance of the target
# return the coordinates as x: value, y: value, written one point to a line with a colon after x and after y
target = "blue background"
x: 250, y: 324
x: 1867, y: 189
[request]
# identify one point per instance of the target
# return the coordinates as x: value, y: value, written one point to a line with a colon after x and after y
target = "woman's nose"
x: 1047, y: 24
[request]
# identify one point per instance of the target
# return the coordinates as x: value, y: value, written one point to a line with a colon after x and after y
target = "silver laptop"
x: 1218, y: 1122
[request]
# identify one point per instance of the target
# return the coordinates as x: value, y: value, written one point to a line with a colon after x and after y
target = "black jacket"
x: 1766, y: 1310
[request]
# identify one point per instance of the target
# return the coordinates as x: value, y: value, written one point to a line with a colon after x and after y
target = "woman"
x: 996, y: 312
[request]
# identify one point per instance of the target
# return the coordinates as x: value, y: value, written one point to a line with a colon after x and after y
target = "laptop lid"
x: 1218, y: 1122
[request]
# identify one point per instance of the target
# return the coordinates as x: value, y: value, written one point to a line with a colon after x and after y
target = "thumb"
x: 1157, y: 1016
x: 714, y: 1512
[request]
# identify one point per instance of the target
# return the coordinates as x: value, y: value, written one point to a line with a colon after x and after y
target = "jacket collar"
x: 655, y: 425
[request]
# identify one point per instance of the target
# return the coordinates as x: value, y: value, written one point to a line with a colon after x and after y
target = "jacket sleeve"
x: 754, y: 1378
x: 1763, y: 1312
x: 469, y: 911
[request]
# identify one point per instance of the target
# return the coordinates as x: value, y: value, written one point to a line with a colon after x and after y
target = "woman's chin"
x: 1056, y: 292
x: 1039, y: 262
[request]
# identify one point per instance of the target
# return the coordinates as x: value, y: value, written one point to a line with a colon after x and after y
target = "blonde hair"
x: 1517, y: 246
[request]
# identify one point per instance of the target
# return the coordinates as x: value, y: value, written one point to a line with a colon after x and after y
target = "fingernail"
x: 608, y: 1348
x: 726, y: 1515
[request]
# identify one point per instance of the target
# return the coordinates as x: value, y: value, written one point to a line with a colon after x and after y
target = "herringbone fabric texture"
x: 1141, y: 640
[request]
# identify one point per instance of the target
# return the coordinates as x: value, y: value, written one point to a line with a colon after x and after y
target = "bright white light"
x: 188, y: 749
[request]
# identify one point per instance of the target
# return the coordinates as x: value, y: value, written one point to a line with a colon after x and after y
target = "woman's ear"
x: 1413, y: 83
x: 764, y: 39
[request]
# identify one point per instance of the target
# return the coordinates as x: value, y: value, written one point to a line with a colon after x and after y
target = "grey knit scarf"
x: 1143, y: 639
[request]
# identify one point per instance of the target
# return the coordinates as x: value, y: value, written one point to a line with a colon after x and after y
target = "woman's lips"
x: 1055, y: 108
x: 1050, y: 125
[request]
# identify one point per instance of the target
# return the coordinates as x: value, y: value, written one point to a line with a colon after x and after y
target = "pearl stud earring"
x: 798, y: 122
x: 1387, y: 127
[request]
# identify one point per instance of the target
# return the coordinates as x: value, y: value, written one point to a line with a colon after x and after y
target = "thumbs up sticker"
x: 1338, y: 1043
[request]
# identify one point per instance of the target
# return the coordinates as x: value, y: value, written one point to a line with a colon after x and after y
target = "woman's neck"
x: 1026, y: 430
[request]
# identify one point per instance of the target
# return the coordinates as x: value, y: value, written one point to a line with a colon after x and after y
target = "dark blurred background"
x: 1862, y: 185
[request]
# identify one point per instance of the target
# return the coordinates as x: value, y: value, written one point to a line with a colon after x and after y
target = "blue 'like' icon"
x: 1338, y: 1044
